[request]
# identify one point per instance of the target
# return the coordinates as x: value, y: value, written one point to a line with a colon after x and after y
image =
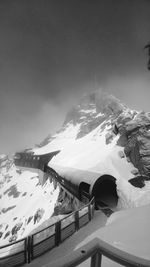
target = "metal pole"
x: 96, y: 260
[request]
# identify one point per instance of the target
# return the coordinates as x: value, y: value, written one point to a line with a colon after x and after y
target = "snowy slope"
x: 25, y: 204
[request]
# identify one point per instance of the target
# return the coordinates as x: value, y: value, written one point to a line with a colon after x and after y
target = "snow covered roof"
x: 77, y: 176
x: 86, y: 160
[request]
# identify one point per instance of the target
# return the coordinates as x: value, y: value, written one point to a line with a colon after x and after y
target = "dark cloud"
x: 53, y: 51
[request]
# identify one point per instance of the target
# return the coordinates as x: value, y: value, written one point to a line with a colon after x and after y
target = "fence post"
x: 96, y: 260
x: 93, y: 206
x: 26, y: 250
x: 58, y: 233
x: 89, y: 211
x: 76, y: 220
x: 29, y: 249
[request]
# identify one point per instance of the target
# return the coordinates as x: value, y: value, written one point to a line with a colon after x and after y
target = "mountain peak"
x: 93, y: 105
x: 96, y: 109
x: 98, y: 97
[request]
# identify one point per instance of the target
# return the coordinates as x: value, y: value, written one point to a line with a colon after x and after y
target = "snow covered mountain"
x: 96, y: 109
x: 100, y: 135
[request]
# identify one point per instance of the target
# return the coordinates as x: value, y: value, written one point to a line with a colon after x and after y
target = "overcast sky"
x: 52, y: 51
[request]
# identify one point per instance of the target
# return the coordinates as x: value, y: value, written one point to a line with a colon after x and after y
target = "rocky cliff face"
x: 135, y: 137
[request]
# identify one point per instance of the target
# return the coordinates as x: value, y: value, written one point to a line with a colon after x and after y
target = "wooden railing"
x: 27, y: 249
x: 52, y: 236
x: 94, y: 250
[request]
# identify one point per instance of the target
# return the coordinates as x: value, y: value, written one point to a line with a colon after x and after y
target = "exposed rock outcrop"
x: 138, y: 181
x: 135, y: 137
x: 38, y: 215
x: 66, y: 204
x: 16, y: 228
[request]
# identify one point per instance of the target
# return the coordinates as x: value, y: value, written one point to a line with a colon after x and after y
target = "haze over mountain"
x: 53, y: 51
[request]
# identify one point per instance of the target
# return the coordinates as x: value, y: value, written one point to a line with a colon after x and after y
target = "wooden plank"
x: 14, y: 260
x: 83, y: 220
x: 67, y: 231
x: 43, y: 234
x: 43, y: 247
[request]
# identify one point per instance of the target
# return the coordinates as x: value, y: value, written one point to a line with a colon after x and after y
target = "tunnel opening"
x: 104, y: 191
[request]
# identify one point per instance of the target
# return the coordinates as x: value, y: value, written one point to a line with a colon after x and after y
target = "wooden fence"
x: 14, y: 254
x: 55, y: 234
x: 27, y: 249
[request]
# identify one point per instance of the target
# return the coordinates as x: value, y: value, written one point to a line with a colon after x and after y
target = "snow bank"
x: 130, y: 196
x: 129, y: 230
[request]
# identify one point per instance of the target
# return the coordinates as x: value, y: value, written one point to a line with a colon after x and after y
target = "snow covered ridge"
x: 92, y: 111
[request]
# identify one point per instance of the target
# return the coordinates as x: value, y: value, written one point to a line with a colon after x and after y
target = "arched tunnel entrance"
x: 104, y: 191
